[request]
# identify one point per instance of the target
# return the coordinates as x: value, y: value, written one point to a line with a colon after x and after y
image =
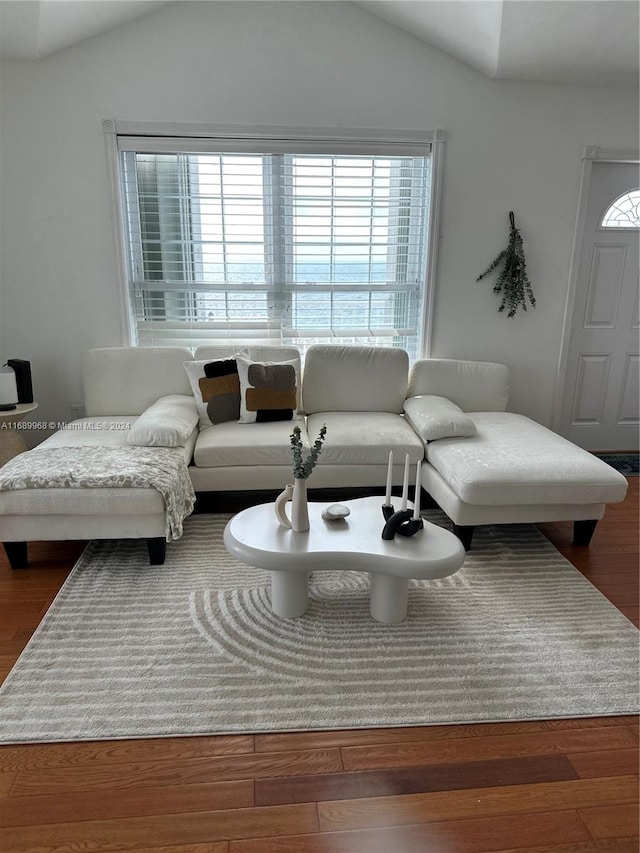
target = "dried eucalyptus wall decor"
x: 513, y: 282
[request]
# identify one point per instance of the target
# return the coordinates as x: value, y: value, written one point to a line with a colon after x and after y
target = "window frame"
x: 314, y: 139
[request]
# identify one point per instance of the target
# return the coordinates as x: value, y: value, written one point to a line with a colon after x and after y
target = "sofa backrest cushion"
x: 251, y: 351
x: 127, y: 380
x: 354, y: 379
x: 475, y: 386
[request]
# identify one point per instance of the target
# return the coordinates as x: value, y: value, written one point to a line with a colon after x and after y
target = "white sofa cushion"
x: 169, y: 422
x: 356, y: 438
x: 250, y: 444
x: 59, y: 502
x: 269, y: 390
x: 513, y: 460
x: 475, y: 386
x: 127, y: 380
x: 218, y: 351
x: 434, y: 417
x: 89, y: 432
x: 256, y: 352
x: 354, y: 379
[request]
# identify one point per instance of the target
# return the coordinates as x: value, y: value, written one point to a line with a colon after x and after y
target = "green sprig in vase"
x: 296, y: 492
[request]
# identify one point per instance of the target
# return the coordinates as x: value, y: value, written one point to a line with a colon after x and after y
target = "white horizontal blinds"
x: 197, y: 249
x: 358, y: 243
x: 233, y: 253
x: 296, y: 248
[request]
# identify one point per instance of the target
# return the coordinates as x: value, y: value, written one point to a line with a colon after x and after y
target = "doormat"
x: 626, y: 463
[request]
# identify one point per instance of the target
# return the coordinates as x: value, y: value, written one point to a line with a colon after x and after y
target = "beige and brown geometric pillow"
x: 268, y: 390
x: 216, y: 389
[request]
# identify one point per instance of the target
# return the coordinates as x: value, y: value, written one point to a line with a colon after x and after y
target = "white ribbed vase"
x: 299, y: 508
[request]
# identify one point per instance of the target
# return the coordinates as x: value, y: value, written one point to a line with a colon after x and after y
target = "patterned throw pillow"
x: 268, y: 390
x: 216, y: 389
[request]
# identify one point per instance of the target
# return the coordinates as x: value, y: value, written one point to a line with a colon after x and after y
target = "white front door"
x: 600, y: 405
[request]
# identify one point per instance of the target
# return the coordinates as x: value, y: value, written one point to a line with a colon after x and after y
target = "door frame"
x: 590, y: 155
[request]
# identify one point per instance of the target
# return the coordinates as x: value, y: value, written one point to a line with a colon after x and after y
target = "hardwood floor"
x: 569, y: 786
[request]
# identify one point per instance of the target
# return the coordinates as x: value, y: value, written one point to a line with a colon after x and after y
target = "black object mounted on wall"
x: 22, y: 370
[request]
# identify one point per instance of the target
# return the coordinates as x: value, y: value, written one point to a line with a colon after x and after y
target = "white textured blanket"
x: 161, y: 468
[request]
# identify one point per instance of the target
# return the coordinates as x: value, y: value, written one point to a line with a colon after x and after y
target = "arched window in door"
x: 624, y: 212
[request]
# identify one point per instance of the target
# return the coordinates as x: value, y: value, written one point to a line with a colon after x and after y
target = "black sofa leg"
x: 583, y: 531
x: 157, y: 551
x: 464, y: 532
x: 17, y: 554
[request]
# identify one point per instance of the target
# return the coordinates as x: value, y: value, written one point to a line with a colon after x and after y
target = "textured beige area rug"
x: 191, y: 647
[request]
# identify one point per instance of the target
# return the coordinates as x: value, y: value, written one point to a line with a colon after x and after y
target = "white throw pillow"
x: 269, y: 390
x: 169, y: 422
x: 434, y: 417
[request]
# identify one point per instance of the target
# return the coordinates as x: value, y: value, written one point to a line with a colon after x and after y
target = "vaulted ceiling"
x: 593, y: 42
x: 31, y: 29
x: 581, y: 41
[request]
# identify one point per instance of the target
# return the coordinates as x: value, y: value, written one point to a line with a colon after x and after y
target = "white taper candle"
x: 387, y: 496
x: 416, y: 500
x: 405, y: 483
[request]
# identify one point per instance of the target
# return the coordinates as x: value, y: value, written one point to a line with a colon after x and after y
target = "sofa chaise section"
x: 119, y: 385
x: 512, y: 470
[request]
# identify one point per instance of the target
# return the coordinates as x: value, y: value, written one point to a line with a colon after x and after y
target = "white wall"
x: 511, y: 146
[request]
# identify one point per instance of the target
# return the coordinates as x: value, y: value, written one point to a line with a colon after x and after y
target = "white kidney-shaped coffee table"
x: 355, y: 543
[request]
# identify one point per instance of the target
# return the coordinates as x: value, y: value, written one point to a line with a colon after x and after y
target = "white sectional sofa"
x: 509, y: 470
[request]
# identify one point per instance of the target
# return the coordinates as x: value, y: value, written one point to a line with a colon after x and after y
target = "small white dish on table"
x: 355, y: 544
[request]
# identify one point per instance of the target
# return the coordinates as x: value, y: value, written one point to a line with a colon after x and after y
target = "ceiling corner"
x: 469, y: 30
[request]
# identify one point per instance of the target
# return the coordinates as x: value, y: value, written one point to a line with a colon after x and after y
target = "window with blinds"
x: 233, y: 246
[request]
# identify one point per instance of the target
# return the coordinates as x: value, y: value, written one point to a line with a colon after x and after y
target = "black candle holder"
x: 410, y: 527
x: 387, y: 511
x: 401, y: 523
